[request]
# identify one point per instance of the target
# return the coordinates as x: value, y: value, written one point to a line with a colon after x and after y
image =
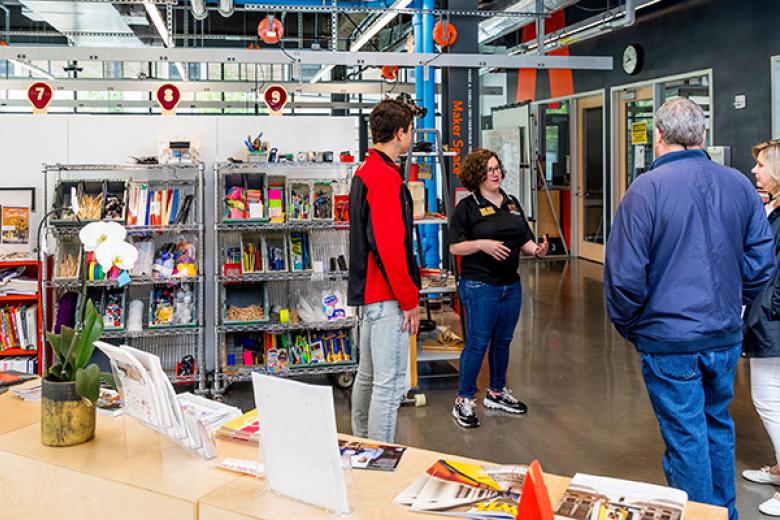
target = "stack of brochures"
x: 466, y: 490
x: 148, y: 395
x: 367, y: 455
x: 245, y: 428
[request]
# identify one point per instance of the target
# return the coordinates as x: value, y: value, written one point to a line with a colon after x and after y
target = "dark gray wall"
x: 734, y: 38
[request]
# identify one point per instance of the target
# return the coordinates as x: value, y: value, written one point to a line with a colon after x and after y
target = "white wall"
x: 28, y: 141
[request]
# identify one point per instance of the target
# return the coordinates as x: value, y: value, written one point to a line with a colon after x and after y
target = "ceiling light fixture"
x: 35, y: 69
x: 366, y: 36
x: 162, y: 29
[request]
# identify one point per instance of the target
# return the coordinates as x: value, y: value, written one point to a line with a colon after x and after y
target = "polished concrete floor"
x: 588, y: 409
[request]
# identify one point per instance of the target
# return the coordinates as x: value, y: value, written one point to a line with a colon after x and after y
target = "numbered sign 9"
x: 275, y: 99
x: 168, y: 96
x: 40, y: 95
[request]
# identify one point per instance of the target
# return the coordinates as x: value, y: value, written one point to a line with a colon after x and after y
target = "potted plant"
x: 72, y: 384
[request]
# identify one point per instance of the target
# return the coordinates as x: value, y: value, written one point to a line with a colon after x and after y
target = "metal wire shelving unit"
x: 171, y: 344
x: 328, y: 239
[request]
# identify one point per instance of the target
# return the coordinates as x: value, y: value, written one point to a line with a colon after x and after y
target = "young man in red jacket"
x: 384, y: 280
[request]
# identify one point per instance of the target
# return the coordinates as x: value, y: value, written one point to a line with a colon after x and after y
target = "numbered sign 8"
x: 168, y: 96
x: 275, y: 98
x: 40, y: 95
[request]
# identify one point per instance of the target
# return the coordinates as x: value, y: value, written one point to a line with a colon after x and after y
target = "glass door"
x: 636, y: 135
x: 590, y: 178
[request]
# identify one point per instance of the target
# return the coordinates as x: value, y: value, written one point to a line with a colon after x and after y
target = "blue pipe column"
x: 425, y: 93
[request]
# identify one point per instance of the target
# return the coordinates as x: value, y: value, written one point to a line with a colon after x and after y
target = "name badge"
x: 487, y: 211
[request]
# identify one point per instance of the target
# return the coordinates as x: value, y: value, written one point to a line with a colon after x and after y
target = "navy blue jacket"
x: 762, y: 317
x: 690, y: 245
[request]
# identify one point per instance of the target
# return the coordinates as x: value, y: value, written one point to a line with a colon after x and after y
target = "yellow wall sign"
x: 639, y: 133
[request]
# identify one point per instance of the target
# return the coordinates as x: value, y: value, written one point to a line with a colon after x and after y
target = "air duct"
x: 198, y: 9
x: 226, y: 8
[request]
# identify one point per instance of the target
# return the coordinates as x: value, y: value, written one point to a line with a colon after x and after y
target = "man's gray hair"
x: 681, y: 121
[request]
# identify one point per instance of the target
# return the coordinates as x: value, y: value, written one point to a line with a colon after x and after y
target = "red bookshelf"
x: 33, y: 270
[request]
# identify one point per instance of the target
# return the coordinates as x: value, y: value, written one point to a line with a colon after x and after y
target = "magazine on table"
x: 245, y: 428
x: 602, y: 498
x: 148, y: 395
x: 466, y: 490
x: 365, y: 455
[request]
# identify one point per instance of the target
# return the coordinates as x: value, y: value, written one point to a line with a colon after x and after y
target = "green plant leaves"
x: 56, y: 372
x: 88, y: 382
x: 55, y: 341
x: 90, y: 333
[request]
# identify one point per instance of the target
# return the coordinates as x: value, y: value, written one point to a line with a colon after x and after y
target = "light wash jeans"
x: 381, y: 379
x: 765, y: 388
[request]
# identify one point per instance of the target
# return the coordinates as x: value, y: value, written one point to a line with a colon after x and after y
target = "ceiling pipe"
x: 226, y: 8
x: 198, y: 9
x: 589, y: 28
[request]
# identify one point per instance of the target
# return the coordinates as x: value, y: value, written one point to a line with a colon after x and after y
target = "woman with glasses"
x: 762, y: 328
x: 488, y: 231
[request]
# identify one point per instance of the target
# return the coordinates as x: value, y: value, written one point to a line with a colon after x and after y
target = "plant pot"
x: 66, y: 419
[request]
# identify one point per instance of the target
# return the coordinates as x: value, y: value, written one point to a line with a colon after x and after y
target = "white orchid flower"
x: 96, y: 233
x: 116, y: 253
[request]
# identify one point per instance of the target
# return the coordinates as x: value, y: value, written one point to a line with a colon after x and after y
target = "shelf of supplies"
x: 428, y: 355
x: 73, y: 229
x: 118, y: 167
x: 234, y: 167
x: 16, y: 298
x: 75, y: 283
x: 311, y: 370
x: 435, y: 221
x: 287, y: 327
x: 431, y: 154
x: 312, y: 225
x: 439, y: 290
x: 280, y: 277
x: 18, y: 352
x: 153, y: 333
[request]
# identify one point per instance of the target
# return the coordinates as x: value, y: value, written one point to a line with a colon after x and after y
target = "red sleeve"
x: 384, y: 200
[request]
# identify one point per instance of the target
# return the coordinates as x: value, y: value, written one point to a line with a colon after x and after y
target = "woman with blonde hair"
x: 762, y: 328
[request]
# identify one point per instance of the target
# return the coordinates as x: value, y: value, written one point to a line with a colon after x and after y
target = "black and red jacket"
x: 382, y: 266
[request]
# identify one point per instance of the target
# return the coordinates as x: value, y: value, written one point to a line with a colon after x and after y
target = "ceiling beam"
x: 305, y: 57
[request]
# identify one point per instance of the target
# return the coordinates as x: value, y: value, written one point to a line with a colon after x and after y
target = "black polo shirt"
x: 476, y: 218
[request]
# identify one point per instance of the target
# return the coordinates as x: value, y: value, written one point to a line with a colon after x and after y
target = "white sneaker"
x: 772, y: 506
x: 761, y: 476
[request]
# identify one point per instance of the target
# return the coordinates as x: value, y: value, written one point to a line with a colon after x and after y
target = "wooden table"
x: 127, y: 471
x: 16, y: 413
x: 371, y: 495
x: 131, y: 472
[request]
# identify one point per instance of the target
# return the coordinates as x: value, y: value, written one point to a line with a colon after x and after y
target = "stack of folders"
x: 148, y: 395
x: 148, y: 206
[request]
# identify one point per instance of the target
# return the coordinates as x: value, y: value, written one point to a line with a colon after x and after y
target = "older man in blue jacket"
x: 690, y: 245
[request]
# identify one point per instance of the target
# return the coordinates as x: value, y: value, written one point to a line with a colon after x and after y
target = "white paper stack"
x: 148, y: 395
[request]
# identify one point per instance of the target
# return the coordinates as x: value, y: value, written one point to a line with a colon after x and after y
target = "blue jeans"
x: 491, y: 316
x: 691, y: 394
x: 380, y: 384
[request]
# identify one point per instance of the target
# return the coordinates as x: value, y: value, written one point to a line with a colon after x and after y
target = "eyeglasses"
x: 497, y: 169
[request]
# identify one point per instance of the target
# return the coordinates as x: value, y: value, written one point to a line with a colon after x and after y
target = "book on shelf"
x: 466, y: 490
x: 589, y: 497
x: 367, y: 455
x: 14, y: 282
x: 156, y: 207
x: 245, y: 428
x: 19, y: 327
